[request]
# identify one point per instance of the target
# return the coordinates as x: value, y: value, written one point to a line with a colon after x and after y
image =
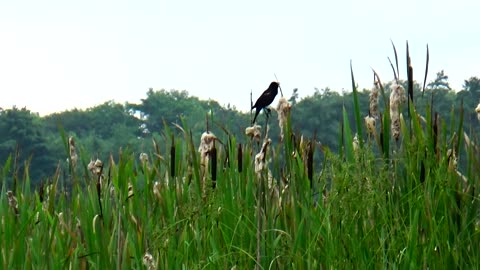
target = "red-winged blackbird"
x: 265, y: 99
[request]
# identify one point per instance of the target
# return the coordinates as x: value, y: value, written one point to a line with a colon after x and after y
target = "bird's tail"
x: 256, y: 114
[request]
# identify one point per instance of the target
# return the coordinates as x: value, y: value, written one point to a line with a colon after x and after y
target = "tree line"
x: 34, y: 144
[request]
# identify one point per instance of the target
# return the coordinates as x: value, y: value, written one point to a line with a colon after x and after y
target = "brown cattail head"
x: 41, y: 192
x: 213, y: 156
x: 240, y: 157
x: 173, y: 157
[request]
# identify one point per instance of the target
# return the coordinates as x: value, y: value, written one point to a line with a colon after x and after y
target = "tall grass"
x: 392, y: 204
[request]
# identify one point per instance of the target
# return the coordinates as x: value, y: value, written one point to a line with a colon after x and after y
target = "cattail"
x: 452, y: 159
x: 156, y: 189
x: 478, y: 111
x: 397, y: 98
x: 99, y: 195
x: 213, y: 155
x: 283, y: 108
x: 130, y: 190
x: 41, y: 192
x: 73, y: 152
x: 95, y: 167
x: 374, y: 112
x: 61, y: 222
x: 370, y: 124
x: 310, y: 150
x: 260, y: 163
x: 12, y: 202
x: 148, y: 261
x: 172, y: 158
x: 206, y: 145
x: 143, y: 158
x: 240, y: 158
x: 356, y: 143
x: 254, y: 132
x: 452, y: 166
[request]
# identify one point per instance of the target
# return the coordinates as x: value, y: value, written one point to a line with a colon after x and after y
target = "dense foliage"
x: 126, y: 186
x: 35, y: 141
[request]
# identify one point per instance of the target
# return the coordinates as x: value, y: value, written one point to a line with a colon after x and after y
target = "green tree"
x: 440, y: 82
x: 20, y: 129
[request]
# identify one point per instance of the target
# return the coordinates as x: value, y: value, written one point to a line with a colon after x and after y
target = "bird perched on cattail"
x: 265, y: 99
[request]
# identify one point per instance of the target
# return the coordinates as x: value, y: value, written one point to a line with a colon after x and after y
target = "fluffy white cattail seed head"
x: 254, y: 132
x: 206, y: 143
x: 260, y: 161
x: 374, y: 112
x: 283, y: 108
x: 370, y: 124
x: 397, y: 98
x: 143, y: 158
x: 148, y: 261
x: 73, y: 152
x: 95, y: 167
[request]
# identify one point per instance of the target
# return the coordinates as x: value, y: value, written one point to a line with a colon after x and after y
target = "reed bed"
x: 394, y: 197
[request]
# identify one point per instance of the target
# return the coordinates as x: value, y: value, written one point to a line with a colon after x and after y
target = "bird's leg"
x: 267, y: 111
x: 267, y: 114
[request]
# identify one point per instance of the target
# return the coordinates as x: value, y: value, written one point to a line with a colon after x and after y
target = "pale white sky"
x: 57, y: 55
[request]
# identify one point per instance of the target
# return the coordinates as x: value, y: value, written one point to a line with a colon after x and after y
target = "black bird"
x: 265, y: 99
